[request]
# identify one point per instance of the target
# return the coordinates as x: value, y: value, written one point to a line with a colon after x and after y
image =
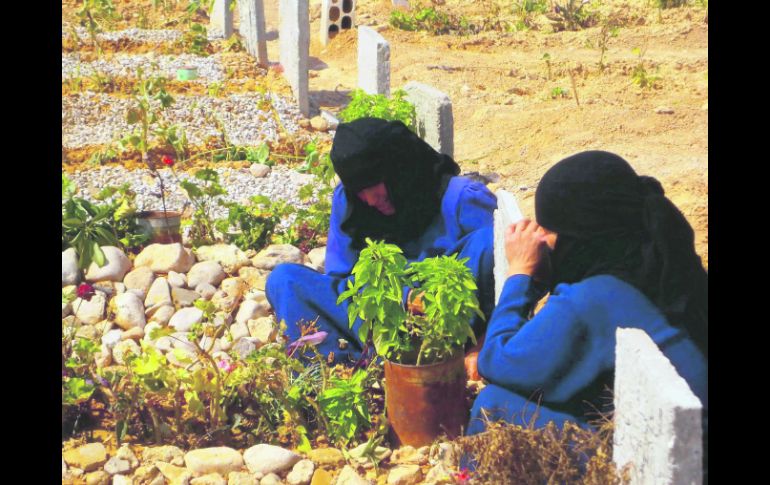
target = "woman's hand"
x: 526, y: 249
x: 414, y: 303
x: 471, y: 361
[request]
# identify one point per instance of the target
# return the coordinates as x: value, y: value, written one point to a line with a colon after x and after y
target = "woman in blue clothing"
x: 394, y: 187
x: 614, y: 252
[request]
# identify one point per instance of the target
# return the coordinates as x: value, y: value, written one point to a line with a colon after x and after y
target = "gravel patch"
x: 125, y: 65
x: 96, y: 118
x: 140, y: 35
x: 281, y: 183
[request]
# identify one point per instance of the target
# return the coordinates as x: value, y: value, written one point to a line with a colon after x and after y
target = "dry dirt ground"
x: 506, y: 120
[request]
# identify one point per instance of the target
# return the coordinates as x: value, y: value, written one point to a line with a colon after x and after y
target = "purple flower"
x: 311, y: 339
x: 102, y: 381
x: 89, y: 382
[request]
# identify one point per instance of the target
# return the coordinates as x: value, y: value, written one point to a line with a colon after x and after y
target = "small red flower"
x: 277, y: 68
x: 167, y: 160
x: 463, y: 476
x: 86, y: 291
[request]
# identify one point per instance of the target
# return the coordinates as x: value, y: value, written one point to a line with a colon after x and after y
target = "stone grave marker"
x: 435, y: 123
x: 221, y: 18
x: 657, y: 417
x: 373, y: 62
x: 252, y: 27
x: 294, y: 37
x: 507, y: 213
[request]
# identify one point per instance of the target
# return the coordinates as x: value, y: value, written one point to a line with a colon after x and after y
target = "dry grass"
x: 507, y: 453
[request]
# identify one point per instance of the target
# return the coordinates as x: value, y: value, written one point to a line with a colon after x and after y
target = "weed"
x: 609, y: 29
x: 195, y: 40
x: 214, y: 89
x: 671, y: 3
x: 96, y: 16
x: 559, y: 92
x: 639, y: 75
x: 378, y: 106
x: 547, y: 58
x: 431, y: 20
x: 575, y: 14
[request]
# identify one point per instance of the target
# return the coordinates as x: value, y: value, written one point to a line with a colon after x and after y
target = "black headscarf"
x: 368, y: 151
x: 609, y: 220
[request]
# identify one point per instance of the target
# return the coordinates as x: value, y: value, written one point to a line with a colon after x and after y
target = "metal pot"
x: 424, y: 402
x: 163, y: 228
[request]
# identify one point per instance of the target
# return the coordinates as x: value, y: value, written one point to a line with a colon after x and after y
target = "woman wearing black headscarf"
x: 621, y: 256
x: 394, y: 187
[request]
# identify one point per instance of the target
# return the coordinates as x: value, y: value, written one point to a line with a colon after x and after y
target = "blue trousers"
x: 301, y: 294
x: 502, y: 404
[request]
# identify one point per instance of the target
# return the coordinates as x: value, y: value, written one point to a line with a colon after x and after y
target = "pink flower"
x: 226, y: 365
x: 312, y: 339
x: 167, y: 160
x: 86, y: 291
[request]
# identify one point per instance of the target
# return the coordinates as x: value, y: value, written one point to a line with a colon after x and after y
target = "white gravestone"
x: 294, y: 38
x: 507, y: 213
x: 657, y: 417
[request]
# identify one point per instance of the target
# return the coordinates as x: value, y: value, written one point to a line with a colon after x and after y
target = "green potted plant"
x: 423, y: 351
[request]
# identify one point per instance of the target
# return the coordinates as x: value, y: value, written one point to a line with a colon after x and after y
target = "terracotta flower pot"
x: 424, y: 402
x: 162, y: 229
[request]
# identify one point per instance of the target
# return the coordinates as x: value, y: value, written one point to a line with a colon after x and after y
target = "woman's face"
x: 549, y: 237
x: 377, y: 196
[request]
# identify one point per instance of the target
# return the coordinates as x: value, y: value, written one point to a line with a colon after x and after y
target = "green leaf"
x: 98, y: 255
x: 133, y: 116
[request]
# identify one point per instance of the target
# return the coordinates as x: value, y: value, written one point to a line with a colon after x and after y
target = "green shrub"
x: 378, y: 106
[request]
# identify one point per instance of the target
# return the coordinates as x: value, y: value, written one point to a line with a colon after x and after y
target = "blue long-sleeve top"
x: 570, y: 343
x: 466, y: 206
x: 464, y: 226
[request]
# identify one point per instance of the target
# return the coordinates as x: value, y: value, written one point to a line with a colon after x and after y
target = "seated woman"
x: 394, y: 187
x: 622, y: 256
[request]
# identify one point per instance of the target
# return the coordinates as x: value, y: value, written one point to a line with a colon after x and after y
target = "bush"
x: 378, y: 106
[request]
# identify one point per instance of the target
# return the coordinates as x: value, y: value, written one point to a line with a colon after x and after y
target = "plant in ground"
x: 151, y: 99
x: 378, y: 106
x: 672, y: 3
x: 575, y: 14
x: 203, y: 194
x: 431, y: 20
x: 639, y: 74
x: 525, y: 12
x: 559, y: 92
x: 609, y: 29
x: 96, y: 16
x: 344, y: 404
x: 254, y: 224
x: 86, y: 227
x: 195, y: 40
x: 547, y: 58
x: 376, y: 292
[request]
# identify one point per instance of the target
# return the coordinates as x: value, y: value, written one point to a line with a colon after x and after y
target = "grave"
x: 373, y: 62
x: 221, y: 18
x: 336, y: 15
x: 251, y: 14
x: 435, y: 123
x: 657, y: 417
x: 294, y: 37
x: 507, y: 213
